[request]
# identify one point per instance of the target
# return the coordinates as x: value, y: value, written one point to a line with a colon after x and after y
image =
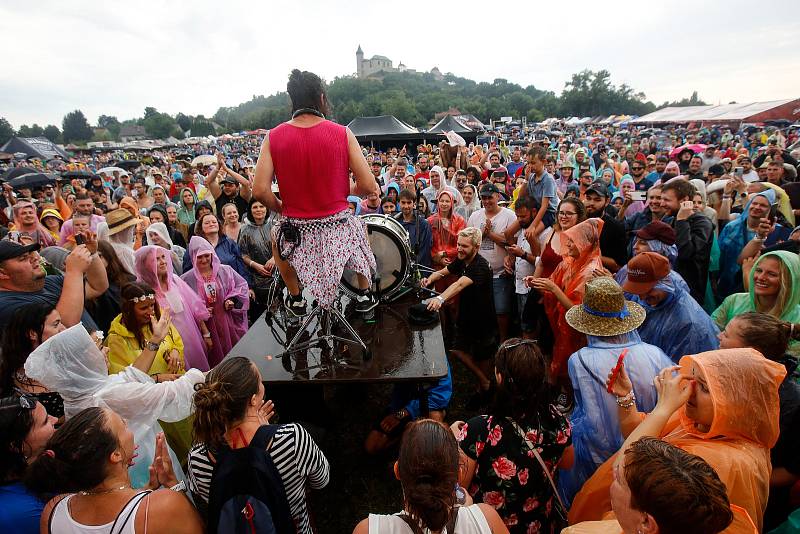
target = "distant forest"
x: 411, y: 97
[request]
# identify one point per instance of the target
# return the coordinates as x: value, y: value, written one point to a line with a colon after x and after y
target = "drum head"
x: 389, y: 242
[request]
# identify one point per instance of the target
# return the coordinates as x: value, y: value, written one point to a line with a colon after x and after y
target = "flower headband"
x: 143, y: 298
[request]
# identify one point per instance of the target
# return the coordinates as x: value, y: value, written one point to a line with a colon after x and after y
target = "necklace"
x: 102, y: 492
x: 303, y: 111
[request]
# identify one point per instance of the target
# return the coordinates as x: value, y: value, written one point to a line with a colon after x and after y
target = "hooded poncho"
x: 71, y: 364
x: 226, y: 326
x: 185, y: 306
x: 744, y: 390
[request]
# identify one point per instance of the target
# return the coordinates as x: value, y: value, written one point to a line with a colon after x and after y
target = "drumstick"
x: 616, y: 370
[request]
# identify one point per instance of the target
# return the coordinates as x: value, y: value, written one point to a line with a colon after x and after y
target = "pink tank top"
x: 313, y: 168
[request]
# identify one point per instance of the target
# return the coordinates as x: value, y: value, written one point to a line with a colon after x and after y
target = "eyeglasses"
x: 636, y: 168
x: 566, y: 213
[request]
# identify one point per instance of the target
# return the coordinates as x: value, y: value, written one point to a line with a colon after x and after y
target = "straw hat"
x: 604, y: 311
x: 119, y: 219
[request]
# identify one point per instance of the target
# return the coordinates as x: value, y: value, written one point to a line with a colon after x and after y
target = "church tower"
x: 360, y: 62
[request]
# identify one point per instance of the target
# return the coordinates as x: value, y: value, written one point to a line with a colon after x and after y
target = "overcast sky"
x: 115, y: 58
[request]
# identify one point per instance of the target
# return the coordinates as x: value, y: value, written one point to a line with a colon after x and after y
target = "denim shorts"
x: 503, y: 290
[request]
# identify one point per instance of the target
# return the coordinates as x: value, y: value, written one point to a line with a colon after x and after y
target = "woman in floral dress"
x: 502, y: 469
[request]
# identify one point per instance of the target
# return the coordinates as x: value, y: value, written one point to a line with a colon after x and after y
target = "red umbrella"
x: 696, y: 148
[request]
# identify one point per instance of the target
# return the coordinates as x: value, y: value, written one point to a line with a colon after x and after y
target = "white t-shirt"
x: 470, y: 521
x: 522, y: 267
x: 491, y: 251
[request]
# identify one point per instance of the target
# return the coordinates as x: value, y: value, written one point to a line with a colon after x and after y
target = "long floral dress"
x: 509, y: 477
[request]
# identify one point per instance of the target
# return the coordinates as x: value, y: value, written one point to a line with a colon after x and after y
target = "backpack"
x: 247, y: 494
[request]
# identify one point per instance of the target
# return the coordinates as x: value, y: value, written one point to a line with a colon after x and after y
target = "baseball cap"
x: 657, y: 230
x: 500, y: 170
x: 598, y: 187
x: 489, y: 189
x: 227, y: 180
x: 644, y: 272
x: 10, y: 249
x: 716, y: 170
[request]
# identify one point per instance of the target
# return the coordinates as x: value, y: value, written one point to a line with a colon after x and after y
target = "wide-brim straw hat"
x: 604, y: 311
x: 119, y: 219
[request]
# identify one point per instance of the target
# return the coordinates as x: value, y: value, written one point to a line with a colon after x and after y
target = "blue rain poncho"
x: 678, y: 325
x: 596, y: 435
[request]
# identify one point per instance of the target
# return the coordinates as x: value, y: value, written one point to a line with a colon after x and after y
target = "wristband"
x: 439, y: 298
x: 180, y: 486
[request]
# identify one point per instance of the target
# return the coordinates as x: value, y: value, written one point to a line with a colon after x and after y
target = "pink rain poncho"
x: 186, y: 308
x: 226, y: 326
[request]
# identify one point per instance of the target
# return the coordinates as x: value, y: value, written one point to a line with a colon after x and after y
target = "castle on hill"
x: 378, y: 65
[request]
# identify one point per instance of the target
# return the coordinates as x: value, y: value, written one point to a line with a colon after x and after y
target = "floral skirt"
x: 328, y: 246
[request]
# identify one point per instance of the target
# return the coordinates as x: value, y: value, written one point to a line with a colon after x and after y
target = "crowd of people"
x: 627, y: 304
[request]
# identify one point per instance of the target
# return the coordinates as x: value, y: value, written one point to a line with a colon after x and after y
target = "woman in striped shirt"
x: 230, y: 408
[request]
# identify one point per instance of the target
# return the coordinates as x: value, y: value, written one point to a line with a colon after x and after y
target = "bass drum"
x: 390, y: 245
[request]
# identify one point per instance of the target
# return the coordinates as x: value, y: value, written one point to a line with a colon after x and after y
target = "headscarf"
x: 45, y: 238
x: 352, y: 199
x: 442, y: 179
x: 186, y: 215
x: 161, y: 230
x: 129, y: 204
x: 670, y: 171
x: 122, y: 242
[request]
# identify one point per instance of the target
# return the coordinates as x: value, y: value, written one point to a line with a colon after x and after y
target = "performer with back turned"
x: 316, y: 237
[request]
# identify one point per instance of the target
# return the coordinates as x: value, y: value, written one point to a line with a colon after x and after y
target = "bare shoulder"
x: 362, y: 527
x: 47, y: 511
x: 493, y: 518
x: 163, y: 507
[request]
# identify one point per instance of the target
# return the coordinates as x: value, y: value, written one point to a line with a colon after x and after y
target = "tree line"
x: 411, y: 97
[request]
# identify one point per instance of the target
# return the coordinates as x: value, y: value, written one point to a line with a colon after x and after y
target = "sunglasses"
x: 23, y: 402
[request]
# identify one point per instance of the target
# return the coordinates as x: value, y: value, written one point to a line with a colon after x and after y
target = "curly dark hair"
x: 307, y: 90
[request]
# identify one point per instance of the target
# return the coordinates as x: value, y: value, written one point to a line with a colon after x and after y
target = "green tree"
x: 110, y: 123
x: 6, y: 131
x: 184, y: 121
x: 75, y: 127
x: 202, y: 127
x: 52, y: 133
x: 31, y: 131
x: 158, y: 125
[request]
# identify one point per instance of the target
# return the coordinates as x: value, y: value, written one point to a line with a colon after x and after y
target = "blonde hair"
x: 473, y: 234
x: 784, y: 293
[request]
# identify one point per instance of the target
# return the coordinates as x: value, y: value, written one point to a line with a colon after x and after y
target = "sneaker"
x: 366, y: 302
x: 296, y: 306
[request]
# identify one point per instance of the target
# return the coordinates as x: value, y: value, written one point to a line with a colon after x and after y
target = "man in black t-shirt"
x: 613, y: 240
x: 476, y: 327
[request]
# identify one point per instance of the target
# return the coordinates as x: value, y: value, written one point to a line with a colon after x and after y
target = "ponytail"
x: 766, y: 334
x: 222, y: 399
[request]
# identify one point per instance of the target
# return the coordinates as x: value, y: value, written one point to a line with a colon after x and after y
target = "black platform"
x: 400, y: 352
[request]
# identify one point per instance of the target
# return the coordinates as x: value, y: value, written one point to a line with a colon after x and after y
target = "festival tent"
x: 450, y: 123
x: 732, y: 114
x: 35, y: 147
x: 383, y: 127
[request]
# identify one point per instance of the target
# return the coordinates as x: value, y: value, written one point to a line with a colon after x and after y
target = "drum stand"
x: 326, y: 339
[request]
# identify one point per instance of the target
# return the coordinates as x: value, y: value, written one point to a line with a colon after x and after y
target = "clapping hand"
x: 266, y: 412
x: 161, y: 471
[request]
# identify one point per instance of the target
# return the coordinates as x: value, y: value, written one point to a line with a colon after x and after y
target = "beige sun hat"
x: 119, y: 219
x: 604, y: 311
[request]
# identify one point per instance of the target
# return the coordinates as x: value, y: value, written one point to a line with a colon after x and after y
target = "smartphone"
x: 79, y: 239
x: 738, y: 171
x: 639, y: 195
x: 615, y: 371
x: 773, y: 214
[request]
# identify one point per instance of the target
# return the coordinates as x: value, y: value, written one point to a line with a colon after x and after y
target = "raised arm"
x: 262, y: 185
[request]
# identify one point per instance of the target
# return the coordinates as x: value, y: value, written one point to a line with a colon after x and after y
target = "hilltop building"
x: 376, y: 66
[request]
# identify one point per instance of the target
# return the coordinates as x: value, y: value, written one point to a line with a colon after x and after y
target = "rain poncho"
x: 432, y: 194
x: 744, y: 390
x: 627, y: 184
x: 732, y: 239
x: 445, y: 233
x: 226, y: 327
x: 186, y: 213
x: 677, y: 325
x: 71, y: 364
x: 176, y: 252
x: 571, y: 276
x: 356, y: 202
x: 41, y: 234
x: 122, y: 243
x: 739, y: 303
x: 595, y: 424
x: 186, y: 308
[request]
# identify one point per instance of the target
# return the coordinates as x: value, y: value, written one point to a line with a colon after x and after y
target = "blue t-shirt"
x: 11, y: 301
x: 20, y: 511
x: 544, y: 188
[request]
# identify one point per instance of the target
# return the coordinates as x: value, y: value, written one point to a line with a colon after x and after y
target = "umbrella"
x: 17, y: 171
x: 77, y: 174
x: 34, y: 179
x: 111, y: 170
x: 186, y: 157
x: 128, y: 163
x: 205, y: 159
x: 696, y: 148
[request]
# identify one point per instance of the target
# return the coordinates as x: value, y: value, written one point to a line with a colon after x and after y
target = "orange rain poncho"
x: 744, y: 390
x: 571, y: 276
